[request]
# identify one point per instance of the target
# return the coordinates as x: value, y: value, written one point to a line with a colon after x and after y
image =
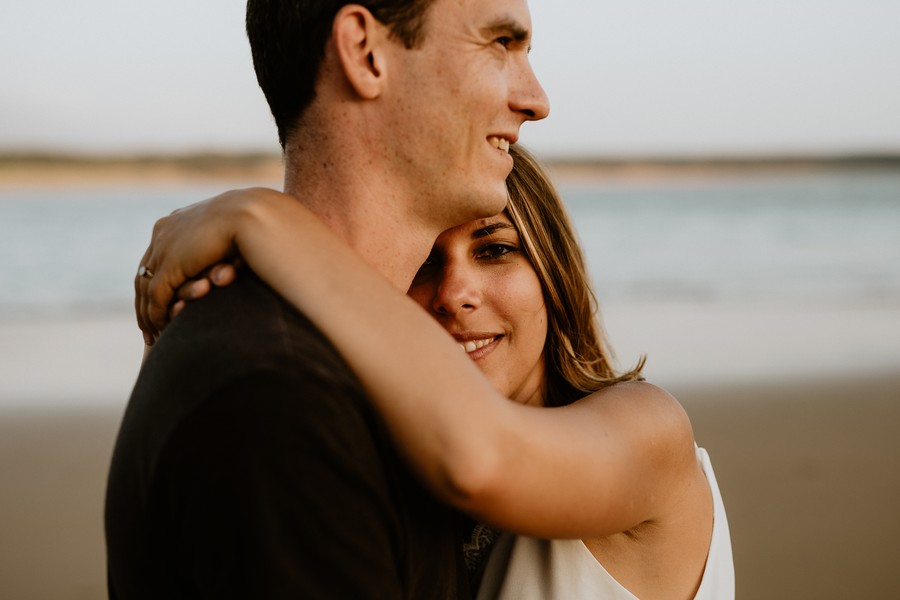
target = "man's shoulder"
x: 248, y: 309
x: 249, y: 324
x: 245, y: 347
x: 244, y: 332
x: 243, y: 399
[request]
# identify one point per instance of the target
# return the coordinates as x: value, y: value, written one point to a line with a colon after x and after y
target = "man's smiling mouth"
x: 499, y: 143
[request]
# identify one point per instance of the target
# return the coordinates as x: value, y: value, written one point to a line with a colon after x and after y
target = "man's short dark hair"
x: 287, y: 39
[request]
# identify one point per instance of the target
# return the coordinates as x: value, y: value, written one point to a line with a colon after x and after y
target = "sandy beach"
x: 808, y: 472
x: 806, y: 462
x: 52, y: 477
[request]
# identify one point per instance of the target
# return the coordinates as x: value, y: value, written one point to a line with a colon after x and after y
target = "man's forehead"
x: 509, y: 17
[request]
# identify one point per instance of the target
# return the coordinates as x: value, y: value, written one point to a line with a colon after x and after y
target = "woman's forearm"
x: 431, y: 409
x: 596, y: 467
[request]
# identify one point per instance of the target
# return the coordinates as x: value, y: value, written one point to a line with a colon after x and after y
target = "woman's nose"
x: 456, y: 291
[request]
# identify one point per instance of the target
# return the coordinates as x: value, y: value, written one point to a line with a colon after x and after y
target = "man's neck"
x: 363, y: 209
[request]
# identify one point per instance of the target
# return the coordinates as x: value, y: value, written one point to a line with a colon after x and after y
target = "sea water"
x: 828, y: 238
x: 808, y: 239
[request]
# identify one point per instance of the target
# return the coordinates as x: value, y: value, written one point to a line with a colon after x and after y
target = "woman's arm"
x: 602, y: 465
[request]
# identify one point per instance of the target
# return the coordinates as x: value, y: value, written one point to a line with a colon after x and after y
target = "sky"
x: 635, y: 78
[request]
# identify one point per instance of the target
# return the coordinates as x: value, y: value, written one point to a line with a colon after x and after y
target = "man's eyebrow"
x: 509, y: 27
x: 490, y: 230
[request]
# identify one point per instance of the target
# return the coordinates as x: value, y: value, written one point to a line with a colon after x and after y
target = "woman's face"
x: 480, y: 286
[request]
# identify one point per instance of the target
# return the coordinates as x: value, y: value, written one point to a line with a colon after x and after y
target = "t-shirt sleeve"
x: 277, y: 489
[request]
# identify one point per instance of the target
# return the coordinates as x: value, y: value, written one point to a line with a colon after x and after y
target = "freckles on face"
x: 521, y: 373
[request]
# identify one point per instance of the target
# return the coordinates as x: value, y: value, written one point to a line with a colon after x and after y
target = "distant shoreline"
x: 50, y: 169
x: 593, y: 170
x: 42, y: 169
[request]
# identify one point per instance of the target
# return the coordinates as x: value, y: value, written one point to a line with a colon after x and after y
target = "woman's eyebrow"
x: 490, y: 230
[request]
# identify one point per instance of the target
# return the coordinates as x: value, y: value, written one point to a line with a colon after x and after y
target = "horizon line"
x: 206, y: 159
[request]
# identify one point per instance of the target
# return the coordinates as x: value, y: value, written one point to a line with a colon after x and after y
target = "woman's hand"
x: 219, y: 275
x: 182, y: 249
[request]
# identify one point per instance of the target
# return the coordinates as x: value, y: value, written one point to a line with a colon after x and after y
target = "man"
x: 249, y: 463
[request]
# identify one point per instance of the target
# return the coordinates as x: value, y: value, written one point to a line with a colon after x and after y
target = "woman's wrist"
x: 256, y: 212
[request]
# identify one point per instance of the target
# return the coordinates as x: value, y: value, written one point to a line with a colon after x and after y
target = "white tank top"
x: 524, y: 568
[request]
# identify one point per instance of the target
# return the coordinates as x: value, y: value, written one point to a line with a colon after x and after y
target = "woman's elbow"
x: 471, y: 479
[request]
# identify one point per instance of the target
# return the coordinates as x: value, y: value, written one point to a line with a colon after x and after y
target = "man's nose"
x: 529, y: 97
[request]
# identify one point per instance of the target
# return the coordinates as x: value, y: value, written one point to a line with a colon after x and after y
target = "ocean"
x: 827, y: 238
x: 808, y: 239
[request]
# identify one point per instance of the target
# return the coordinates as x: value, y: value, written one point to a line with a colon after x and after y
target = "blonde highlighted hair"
x: 577, y: 353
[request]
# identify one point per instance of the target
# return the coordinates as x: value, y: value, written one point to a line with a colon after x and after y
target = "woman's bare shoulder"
x: 641, y: 397
x: 646, y: 416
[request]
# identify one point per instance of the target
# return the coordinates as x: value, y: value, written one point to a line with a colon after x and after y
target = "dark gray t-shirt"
x: 249, y: 464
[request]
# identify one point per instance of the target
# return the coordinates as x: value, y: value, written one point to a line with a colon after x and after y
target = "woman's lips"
x: 477, y: 347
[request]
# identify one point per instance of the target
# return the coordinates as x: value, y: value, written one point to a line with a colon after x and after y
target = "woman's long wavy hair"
x: 577, y: 353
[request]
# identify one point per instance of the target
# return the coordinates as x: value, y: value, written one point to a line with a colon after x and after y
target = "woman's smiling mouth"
x: 472, y: 345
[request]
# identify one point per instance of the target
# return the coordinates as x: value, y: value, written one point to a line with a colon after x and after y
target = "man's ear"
x: 358, y: 38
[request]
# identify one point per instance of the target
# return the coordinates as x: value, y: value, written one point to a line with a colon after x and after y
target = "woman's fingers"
x: 176, y: 309
x: 153, y: 287
x: 141, y: 280
x: 160, y: 292
x: 195, y: 288
x: 224, y: 273
x: 176, y: 265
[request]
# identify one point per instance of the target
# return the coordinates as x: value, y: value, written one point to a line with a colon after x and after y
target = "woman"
x: 607, y: 491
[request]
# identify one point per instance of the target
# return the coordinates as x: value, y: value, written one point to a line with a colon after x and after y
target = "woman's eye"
x: 492, y: 251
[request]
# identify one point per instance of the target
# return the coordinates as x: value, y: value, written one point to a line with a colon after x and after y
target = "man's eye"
x: 504, y: 41
x: 427, y: 267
